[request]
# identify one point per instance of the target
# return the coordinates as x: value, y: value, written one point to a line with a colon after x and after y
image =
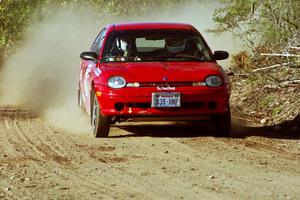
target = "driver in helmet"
x: 182, y: 46
x: 175, y: 45
x: 128, y: 46
x: 123, y: 47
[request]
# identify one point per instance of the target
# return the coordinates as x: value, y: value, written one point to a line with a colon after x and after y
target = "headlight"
x: 116, y: 82
x: 213, y: 81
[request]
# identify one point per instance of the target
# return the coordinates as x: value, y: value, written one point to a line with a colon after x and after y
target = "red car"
x: 153, y: 71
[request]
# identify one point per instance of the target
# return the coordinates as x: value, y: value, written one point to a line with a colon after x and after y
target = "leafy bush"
x: 14, y: 18
x: 267, y: 24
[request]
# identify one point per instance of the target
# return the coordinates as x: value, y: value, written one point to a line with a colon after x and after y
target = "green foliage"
x: 259, y: 22
x: 14, y: 17
x: 269, y: 99
x: 276, y: 110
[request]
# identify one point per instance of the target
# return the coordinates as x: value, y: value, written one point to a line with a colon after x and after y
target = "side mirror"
x: 220, y: 55
x: 89, y: 56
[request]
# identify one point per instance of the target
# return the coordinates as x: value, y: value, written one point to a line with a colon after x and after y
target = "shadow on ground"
x: 240, y: 129
x: 289, y: 129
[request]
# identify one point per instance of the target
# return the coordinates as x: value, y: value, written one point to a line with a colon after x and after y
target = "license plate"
x: 165, y: 99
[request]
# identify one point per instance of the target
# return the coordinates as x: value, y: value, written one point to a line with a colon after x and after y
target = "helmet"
x: 123, y: 44
x: 175, y: 45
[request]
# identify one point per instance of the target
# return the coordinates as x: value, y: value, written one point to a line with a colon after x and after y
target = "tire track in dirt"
x: 68, y: 140
x: 63, y: 161
x: 91, y: 151
x: 13, y: 154
x: 50, y: 150
x: 145, y: 162
x: 125, y: 178
x: 46, y: 151
x: 43, y: 152
x: 119, y: 171
x: 4, y: 128
x: 9, y: 142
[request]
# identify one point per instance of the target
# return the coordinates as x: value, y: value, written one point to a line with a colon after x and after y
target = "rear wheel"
x: 100, y: 123
x: 222, y: 124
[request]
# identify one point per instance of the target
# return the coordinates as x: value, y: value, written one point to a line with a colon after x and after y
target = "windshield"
x: 153, y: 45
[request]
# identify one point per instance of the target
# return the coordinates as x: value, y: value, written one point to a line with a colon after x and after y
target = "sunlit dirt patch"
x: 13, y: 161
x: 94, y: 148
x: 108, y: 158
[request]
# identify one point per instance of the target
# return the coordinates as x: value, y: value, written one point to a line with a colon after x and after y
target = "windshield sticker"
x: 89, y: 68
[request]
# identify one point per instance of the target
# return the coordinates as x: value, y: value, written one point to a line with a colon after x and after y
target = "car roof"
x: 150, y: 25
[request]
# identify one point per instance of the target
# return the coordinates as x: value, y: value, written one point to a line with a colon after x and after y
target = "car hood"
x: 163, y: 71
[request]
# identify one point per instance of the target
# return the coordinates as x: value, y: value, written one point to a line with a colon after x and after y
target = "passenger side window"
x: 98, y: 42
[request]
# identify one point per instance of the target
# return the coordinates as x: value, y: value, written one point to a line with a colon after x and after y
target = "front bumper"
x: 136, y: 102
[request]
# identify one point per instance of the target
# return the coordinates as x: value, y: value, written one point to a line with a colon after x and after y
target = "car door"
x: 87, y: 67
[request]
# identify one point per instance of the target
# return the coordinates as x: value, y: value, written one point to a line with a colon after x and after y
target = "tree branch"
x: 285, y: 83
x: 279, y: 54
x: 274, y: 66
x: 292, y: 23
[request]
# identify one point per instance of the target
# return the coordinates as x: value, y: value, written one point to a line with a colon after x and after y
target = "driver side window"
x: 98, y: 42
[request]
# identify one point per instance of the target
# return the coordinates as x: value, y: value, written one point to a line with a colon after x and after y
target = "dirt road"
x: 144, y: 161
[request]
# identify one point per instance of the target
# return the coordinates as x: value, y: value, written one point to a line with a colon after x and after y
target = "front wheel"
x: 222, y: 124
x: 100, y: 123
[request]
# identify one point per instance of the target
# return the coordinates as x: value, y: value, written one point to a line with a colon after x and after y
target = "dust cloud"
x: 42, y: 74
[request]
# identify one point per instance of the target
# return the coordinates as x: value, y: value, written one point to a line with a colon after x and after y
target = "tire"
x: 100, y: 123
x: 222, y: 124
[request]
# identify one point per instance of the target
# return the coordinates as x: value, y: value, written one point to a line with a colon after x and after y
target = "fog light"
x: 199, y: 84
x: 135, y: 84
